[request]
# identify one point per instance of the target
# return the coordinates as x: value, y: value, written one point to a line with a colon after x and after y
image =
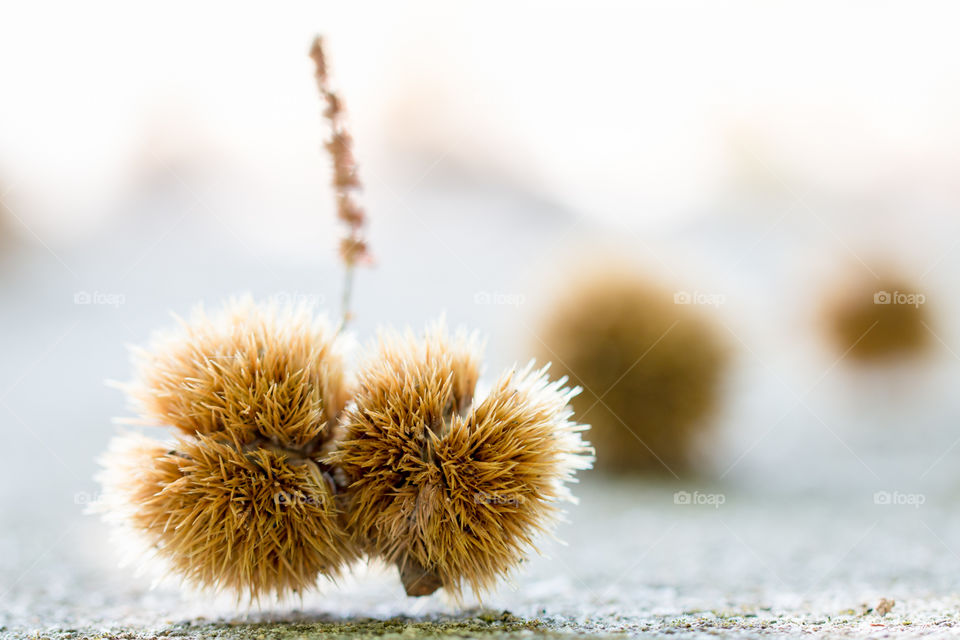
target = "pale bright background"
x: 156, y: 155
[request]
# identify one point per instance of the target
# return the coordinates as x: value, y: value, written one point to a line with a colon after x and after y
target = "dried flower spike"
x: 650, y: 368
x: 450, y: 488
x: 243, y: 500
x: 353, y: 244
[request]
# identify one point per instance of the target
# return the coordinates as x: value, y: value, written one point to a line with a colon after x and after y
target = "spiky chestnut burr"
x: 872, y: 319
x: 243, y: 500
x: 651, y: 369
x: 250, y: 372
x: 451, y: 488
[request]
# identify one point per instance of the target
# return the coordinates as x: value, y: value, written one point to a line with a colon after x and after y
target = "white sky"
x: 618, y: 110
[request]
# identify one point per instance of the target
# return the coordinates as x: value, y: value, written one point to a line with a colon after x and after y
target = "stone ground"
x: 638, y: 562
x: 793, y: 543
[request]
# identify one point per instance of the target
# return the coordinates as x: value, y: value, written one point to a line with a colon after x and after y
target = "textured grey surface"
x: 635, y: 562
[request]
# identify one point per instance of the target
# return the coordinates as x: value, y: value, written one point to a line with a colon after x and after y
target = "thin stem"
x: 346, y: 295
